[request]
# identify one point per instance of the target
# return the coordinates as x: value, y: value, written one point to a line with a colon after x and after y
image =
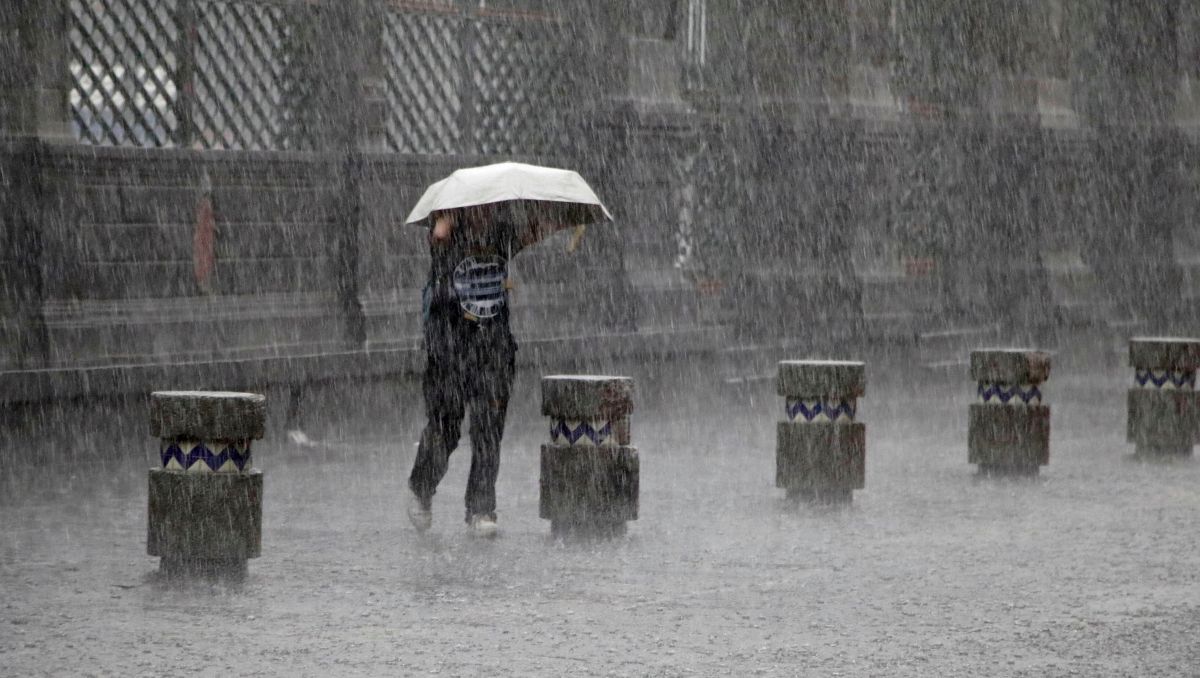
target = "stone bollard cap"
x: 207, y: 415
x: 1010, y: 365
x: 582, y: 397
x: 811, y: 378
x: 1164, y: 353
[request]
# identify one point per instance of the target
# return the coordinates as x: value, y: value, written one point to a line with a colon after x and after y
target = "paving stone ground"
x: 1091, y: 569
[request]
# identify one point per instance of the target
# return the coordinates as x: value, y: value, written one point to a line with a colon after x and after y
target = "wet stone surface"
x: 820, y: 456
x: 1008, y: 431
x: 1164, y: 405
x: 810, y: 378
x: 207, y: 415
x: 1009, y: 436
x: 1165, y: 353
x: 1089, y: 569
x: 587, y: 396
x: 588, y: 489
x: 205, y: 517
x: 590, y: 473
x: 1010, y: 365
x: 820, y: 450
x: 204, y: 508
x: 1166, y: 422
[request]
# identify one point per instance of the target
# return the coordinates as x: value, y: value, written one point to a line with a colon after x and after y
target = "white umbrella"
x: 559, y: 193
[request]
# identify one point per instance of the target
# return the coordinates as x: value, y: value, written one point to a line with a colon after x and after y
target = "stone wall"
x: 119, y: 269
x: 1027, y: 164
x: 862, y: 169
x: 114, y: 274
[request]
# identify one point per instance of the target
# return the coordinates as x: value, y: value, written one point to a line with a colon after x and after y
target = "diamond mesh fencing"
x: 424, y: 67
x: 123, y: 64
x: 239, y: 75
x: 517, y: 77
x: 154, y: 73
x: 472, y: 83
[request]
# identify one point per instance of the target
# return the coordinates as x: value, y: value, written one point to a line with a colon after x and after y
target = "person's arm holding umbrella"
x: 542, y: 226
x: 542, y: 232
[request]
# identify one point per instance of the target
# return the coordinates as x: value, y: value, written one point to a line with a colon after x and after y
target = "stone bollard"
x: 589, y: 483
x: 820, y: 450
x: 1164, y: 406
x: 1009, y: 432
x: 205, y: 508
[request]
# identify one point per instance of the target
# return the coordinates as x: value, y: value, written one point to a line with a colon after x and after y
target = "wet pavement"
x: 1091, y: 569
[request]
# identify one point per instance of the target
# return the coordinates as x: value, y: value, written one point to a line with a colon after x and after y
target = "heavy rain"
x: 756, y: 337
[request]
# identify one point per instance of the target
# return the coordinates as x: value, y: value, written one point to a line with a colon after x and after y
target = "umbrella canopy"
x: 561, y: 194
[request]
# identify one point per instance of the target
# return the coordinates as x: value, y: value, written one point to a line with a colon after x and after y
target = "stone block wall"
x: 872, y: 170
x: 115, y: 276
x: 119, y: 263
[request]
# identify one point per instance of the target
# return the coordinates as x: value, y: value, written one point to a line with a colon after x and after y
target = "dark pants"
x: 469, y: 365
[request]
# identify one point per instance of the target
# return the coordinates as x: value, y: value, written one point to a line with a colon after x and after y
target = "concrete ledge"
x: 39, y: 385
x: 248, y: 373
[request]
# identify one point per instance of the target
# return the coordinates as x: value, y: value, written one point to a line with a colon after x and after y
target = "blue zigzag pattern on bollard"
x: 1165, y: 379
x: 201, y: 454
x: 811, y: 410
x: 1028, y: 394
x: 596, y: 434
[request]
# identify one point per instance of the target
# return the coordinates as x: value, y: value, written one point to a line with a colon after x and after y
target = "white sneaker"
x: 482, y: 525
x: 420, y: 513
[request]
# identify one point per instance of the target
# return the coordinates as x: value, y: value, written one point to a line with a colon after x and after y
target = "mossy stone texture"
x: 820, y: 456
x: 589, y: 488
x: 817, y: 378
x: 207, y: 415
x: 587, y: 397
x: 1164, y: 353
x: 1009, y: 436
x: 589, y: 485
x: 205, y: 516
x: 1010, y: 365
x: 1163, y: 419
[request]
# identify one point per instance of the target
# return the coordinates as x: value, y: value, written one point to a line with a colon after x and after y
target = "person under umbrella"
x: 470, y: 351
